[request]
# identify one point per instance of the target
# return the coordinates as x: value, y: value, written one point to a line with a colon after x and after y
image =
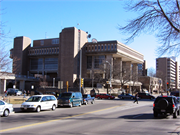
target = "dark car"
x: 166, y: 105
x: 175, y: 93
x: 145, y: 96
x: 104, y: 96
x: 126, y: 96
x: 12, y: 91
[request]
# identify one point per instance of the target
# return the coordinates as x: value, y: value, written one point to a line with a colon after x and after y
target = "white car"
x: 5, y: 108
x: 39, y: 102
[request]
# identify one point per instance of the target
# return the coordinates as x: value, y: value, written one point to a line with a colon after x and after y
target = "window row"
x: 102, y: 47
x: 44, y: 51
x: 47, y: 63
x: 98, y: 60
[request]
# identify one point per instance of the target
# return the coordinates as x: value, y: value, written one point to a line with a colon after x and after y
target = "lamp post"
x: 110, y: 74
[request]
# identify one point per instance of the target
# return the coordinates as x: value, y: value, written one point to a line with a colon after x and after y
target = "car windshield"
x: 33, y: 99
x: 66, y: 95
x: 84, y: 96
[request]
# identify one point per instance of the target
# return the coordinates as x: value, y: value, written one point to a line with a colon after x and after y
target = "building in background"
x: 58, y: 59
x: 168, y: 69
x: 142, y: 69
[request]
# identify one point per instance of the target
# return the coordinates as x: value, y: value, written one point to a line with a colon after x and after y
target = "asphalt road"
x: 105, y: 117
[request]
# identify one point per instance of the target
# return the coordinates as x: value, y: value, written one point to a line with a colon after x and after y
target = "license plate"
x: 25, y: 108
x: 163, y: 110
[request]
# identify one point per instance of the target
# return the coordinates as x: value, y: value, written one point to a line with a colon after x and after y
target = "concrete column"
x: 22, y: 84
x: 117, y: 68
x: 4, y: 84
x: 135, y: 72
x: 129, y: 69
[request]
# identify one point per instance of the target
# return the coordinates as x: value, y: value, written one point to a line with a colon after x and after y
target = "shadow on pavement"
x: 143, y: 116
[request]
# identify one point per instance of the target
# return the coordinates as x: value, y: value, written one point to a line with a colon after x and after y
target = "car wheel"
x: 6, y: 113
x: 109, y: 98
x: 175, y: 114
x: 53, y: 107
x: 92, y: 102
x: 131, y: 97
x: 71, y: 105
x: 155, y: 114
x: 38, y: 109
x: 98, y: 97
x: 178, y: 112
x: 151, y: 98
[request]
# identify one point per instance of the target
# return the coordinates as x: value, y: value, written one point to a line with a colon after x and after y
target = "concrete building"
x: 168, y: 69
x: 59, y: 58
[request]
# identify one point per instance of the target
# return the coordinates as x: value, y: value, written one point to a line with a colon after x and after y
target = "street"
x: 105, y: 117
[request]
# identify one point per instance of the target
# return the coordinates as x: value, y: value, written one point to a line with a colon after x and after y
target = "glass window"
x: 2, y: 103
x: 55, y: 41
x: 105, y: 47
x: 51, y: 63
x: 95, y: 47
x: 89, y: 62
x: 98, y: 47
x: 42, y: 42
x: 101, y: 47
x: 36, y: 64
x: 115, y: 46
x: 108, y: 46
x: 111, y: 46
x: 98, y: 60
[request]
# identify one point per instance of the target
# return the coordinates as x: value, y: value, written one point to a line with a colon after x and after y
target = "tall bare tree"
x: 161, y: 17
x: 4, y: 53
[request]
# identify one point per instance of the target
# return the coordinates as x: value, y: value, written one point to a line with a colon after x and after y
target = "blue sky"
x: 39, y: 18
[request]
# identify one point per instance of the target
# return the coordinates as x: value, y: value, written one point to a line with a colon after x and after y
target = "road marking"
x: 39, y: 123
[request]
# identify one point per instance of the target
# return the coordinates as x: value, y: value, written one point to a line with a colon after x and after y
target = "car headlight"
x: 32, y: 105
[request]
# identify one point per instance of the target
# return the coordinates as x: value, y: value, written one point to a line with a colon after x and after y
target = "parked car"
x: 88, y: 99
x: 126, y: 96
x: 39, y: 102
x: 12, y: 91
x: 145, y: 96
x: 175, y: 93
x: 70, y: 99
x: 37, y: 93
x: 5, y: 108
x: 50, y: 93
x: 104, y: 96
x: 166, y: 105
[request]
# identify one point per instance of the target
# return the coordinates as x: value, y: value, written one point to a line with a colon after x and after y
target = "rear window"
x: 66, y: 95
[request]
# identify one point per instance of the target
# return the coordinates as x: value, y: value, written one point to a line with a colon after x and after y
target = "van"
x: 39, y: 102
x: 70, y: 99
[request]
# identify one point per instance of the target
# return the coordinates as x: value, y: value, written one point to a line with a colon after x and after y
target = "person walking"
x: 136, y: 98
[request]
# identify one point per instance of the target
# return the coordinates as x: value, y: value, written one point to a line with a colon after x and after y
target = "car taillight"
x: 84, y: 100
x: 173, y: 105
x: 69, y: 101
x: 153, y: 105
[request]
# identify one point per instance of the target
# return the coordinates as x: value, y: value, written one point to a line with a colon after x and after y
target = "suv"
x: 145, y: 95
x: 40, y: 102
x: 166, y: 105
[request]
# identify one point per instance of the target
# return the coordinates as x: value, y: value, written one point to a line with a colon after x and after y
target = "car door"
x: 44, y: 103
x: 2, y: 105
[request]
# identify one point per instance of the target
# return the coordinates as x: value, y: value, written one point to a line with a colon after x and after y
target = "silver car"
x: 5, y: 108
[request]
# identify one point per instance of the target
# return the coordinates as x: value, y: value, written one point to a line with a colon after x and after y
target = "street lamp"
x: 110, y: 73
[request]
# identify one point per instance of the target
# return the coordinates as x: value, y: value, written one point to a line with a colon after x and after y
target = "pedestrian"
x: 28, y: 93
x: 136, y: 98
x: 24, y: 93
